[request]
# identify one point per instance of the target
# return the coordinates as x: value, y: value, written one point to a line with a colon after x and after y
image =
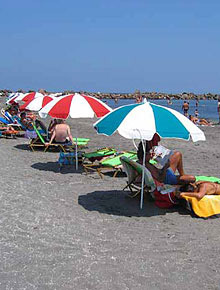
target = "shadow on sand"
x: 22, y: 147
x: 117, y: 202
x: 55, y: 167
x: 37, y: 149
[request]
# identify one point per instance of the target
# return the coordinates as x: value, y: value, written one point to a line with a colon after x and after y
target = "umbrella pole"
x: 76, y: 155
x: 142, y: 181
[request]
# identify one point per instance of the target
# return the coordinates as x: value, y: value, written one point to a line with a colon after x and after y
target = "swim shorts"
x: 170, y: 178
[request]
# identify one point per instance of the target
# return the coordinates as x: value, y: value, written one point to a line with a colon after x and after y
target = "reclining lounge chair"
x: 109, y: 163
x: 41, y: 139
x: 134, y: 171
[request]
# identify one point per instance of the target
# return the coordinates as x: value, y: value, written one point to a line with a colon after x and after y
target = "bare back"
x: 210, y: 187
x: 62, y: 131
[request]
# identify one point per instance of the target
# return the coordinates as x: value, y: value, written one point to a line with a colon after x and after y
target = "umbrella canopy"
x: 36, y: 104
x: 75, y: 106
x: 13, y: 97
x: 24, y: 97
x: 142, y: 121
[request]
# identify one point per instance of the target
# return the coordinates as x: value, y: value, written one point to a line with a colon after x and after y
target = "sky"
x: 116, y: 46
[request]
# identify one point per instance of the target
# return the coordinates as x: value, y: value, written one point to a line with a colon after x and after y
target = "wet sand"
x: 69, y: 230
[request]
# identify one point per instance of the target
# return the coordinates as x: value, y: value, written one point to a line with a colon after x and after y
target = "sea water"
x: 207, y: 108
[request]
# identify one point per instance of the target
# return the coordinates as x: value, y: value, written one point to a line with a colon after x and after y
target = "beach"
x: 69, y: 230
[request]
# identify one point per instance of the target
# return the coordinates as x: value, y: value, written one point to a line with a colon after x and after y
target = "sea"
x: 206, y: 108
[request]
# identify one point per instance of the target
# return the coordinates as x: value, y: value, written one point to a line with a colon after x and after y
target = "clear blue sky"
x: 110, y: 46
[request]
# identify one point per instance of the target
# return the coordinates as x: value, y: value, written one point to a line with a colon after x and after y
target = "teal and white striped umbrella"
x: 143, y: 120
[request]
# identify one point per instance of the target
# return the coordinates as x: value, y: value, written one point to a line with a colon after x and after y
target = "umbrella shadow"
x: 55, y: 167
x: 22, y: 147
x: 117, y: 202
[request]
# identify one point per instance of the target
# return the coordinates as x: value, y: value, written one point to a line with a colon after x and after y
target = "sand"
x: 69, y: 230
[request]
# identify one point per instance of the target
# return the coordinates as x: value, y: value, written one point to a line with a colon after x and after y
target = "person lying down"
x: 197, y: 189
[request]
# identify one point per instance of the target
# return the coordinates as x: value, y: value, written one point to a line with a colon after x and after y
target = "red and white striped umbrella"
x: 25, y: 97
x: 75, y: 106
x: 36, y: 104
x: 12, y: 99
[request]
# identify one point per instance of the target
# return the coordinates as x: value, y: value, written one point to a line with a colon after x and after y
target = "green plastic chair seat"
x: 99, y: 153
x: 115, y: 160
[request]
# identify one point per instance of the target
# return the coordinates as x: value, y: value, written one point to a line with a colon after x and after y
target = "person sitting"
x: 167, y: 173
x: 61, y: 134
x: 198, y: 121
x: 27, y: 125
x: 26, y: 122
x: 198, y: 189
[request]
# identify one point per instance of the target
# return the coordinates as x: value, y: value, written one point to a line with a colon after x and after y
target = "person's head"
x: 60, y: 121
x: 14, y: 109
x: 190, y: 117
x: 155, y: 140
x: 23, y: 115
x: 190, y: 187
x: 42, y: 91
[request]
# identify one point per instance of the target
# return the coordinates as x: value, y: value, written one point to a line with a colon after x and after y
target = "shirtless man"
x: 60, y: 133
x: 198, y: 189
x: 185, y: 108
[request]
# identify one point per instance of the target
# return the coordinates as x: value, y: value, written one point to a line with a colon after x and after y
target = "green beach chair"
x: 134, y: 170
x: 110, y: 163
x: 99, y: 154
x: 42, y: 139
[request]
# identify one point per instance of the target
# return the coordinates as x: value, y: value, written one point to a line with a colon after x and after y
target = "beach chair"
x: 109, y: 163
x: 8, y: 133
x: 98, y: 155
x: 134, y: 171
x: 41, y: 139
x: 12, y: 121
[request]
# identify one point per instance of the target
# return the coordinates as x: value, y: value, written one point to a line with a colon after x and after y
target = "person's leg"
x: 176, y: 162
x: 185, y: 179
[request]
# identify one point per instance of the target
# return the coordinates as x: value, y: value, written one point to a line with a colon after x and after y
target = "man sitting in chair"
x: 61, y: 134
x: 167, y: 173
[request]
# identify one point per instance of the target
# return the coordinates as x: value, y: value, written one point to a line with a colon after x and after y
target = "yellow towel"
x: 207, y: 206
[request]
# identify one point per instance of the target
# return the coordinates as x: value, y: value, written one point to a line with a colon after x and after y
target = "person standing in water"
x: 185, y: 108
x: 218, y: 108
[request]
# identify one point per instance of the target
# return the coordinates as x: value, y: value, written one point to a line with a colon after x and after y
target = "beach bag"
x: 67, y: 158
x: 165, y: 200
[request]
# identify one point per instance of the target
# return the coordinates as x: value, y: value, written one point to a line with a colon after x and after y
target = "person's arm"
x: 69, y: 135
x: 202, y: 191
x: 52, y: 138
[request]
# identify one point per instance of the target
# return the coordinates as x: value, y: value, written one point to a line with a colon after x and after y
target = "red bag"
x: 166, y: 200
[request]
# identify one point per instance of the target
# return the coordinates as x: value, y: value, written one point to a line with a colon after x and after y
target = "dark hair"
x: 22, y: 114
x: 140, y: 151
x: 60, y: 121
x: 187, y: 188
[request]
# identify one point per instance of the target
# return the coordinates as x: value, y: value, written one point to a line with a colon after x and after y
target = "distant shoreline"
x: 147, y: 95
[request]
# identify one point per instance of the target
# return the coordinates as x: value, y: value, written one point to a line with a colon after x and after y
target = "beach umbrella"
x: 75, y: 106
x: 24, y: 97
x: 36, y: 104
x: 12, y: 97
x: 143, y: 120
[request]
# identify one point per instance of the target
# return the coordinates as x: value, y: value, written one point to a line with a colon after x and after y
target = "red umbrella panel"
x: 75, y: 106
